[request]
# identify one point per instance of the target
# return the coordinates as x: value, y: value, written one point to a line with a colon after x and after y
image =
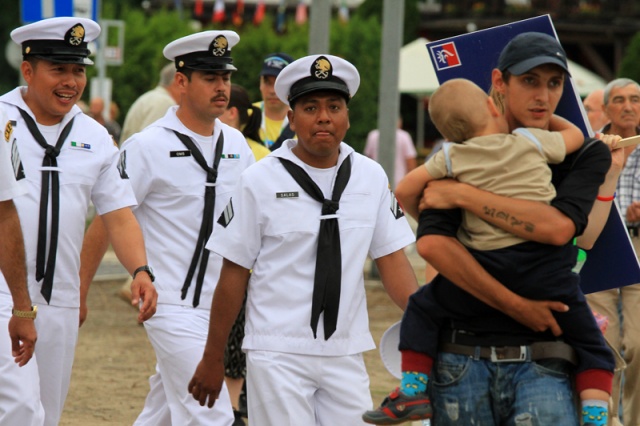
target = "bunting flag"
x: 343, y: 12
x: 281, y: 24
x: 198, y: 8
x: 218, y: 12
x: 301, y: 13
x: 238, y: 15
x: 259, y: 13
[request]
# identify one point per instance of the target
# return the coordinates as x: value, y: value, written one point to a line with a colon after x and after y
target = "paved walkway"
x: 110, y: 268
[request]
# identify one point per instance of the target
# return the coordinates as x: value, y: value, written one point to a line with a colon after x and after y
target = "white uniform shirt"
x: 88, y: 163
x: 169, y: 185
x: 273, y: 227
x: 9, y: 187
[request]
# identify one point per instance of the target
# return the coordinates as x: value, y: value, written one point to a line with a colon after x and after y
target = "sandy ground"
x: 114, y: 358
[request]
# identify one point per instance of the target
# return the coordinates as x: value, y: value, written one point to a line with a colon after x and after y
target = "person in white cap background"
x: 304, y: 220
x: 274, y: 126
x: 183, y: 168
x: 68, y: 160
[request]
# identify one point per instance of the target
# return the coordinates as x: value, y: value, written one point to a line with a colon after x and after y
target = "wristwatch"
x: 25, y: 314
x: 147, y: 269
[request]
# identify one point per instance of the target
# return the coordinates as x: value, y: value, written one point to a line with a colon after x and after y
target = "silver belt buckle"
x: 521, y: 358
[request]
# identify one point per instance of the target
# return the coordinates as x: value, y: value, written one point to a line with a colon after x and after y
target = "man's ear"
x: 181, y: 80
x: 497, y: 81
x: 290, y: 115
x: 27, y: 71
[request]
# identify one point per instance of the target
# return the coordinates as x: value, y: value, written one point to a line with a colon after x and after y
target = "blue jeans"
x: 469, y: 391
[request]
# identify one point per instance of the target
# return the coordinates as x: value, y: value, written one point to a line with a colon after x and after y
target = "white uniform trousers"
x: 19, y: 386
x: 178, y: 335
x: 50, y: 368
x: 155, y: 411
x: 55, y: 350
x: 290, y: 390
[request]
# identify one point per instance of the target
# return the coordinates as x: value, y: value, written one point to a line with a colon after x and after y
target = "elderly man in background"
x: 622, y: 108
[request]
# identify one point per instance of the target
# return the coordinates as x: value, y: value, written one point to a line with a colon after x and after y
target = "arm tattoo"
x: 513, y: 221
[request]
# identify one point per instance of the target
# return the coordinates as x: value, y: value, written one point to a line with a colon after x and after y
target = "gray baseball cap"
x: 529, y: 50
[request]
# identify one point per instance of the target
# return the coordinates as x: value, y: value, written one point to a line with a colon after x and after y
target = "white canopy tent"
x: 417, y: 77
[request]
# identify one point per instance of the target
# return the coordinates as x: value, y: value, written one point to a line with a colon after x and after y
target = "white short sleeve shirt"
x: 169, y: 186
x: 271, y: 226
x: 88, y: 170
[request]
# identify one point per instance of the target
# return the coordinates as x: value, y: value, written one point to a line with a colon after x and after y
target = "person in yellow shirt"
x: 275, y: 125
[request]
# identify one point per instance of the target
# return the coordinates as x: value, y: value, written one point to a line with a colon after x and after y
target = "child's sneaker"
x: 399, y: 408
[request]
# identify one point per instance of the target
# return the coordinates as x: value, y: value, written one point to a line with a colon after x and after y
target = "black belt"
x: 534, y: 352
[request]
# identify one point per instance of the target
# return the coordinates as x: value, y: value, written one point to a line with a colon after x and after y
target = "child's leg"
x: 594, y: 388
x: 416, y: 368
x: 595, y: 412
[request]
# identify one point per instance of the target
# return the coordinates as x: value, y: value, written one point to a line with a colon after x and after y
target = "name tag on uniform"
x: 287, y: 194
x: 186, y: 153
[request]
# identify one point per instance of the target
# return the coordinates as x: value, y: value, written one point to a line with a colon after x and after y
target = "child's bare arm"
x: 409, y: 190
x: 572, y: 135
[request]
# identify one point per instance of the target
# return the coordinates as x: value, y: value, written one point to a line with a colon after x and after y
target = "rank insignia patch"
x: 227, y: 215
x: 122, y: 165
x: 396, y: 208
x: 18, y: 169
x: 8, y: 130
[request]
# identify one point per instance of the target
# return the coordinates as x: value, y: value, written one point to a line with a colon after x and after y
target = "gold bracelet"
x: 25, y: 314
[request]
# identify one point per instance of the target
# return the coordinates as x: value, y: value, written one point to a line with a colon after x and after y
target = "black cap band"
x: 311, y: 84
x: 56, y: 51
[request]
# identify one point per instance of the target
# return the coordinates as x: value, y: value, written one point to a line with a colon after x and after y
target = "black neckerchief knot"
x: 51, y: 152
x: 330, y: 207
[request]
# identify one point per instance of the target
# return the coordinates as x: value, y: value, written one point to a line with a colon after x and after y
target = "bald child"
x: 483, y: 153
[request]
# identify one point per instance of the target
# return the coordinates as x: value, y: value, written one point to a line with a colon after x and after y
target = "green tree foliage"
x: 256, y: 42
x: 9, y: 19
x: 629, y: 66
x: 145, y: 37
x: 358, y: 41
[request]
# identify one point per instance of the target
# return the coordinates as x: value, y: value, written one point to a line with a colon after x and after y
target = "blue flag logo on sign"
x: 445, y: 55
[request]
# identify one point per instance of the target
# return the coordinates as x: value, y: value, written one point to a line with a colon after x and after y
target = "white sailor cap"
x: 314, y: 73
x: 205, y: 51
x: 61, y: 40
